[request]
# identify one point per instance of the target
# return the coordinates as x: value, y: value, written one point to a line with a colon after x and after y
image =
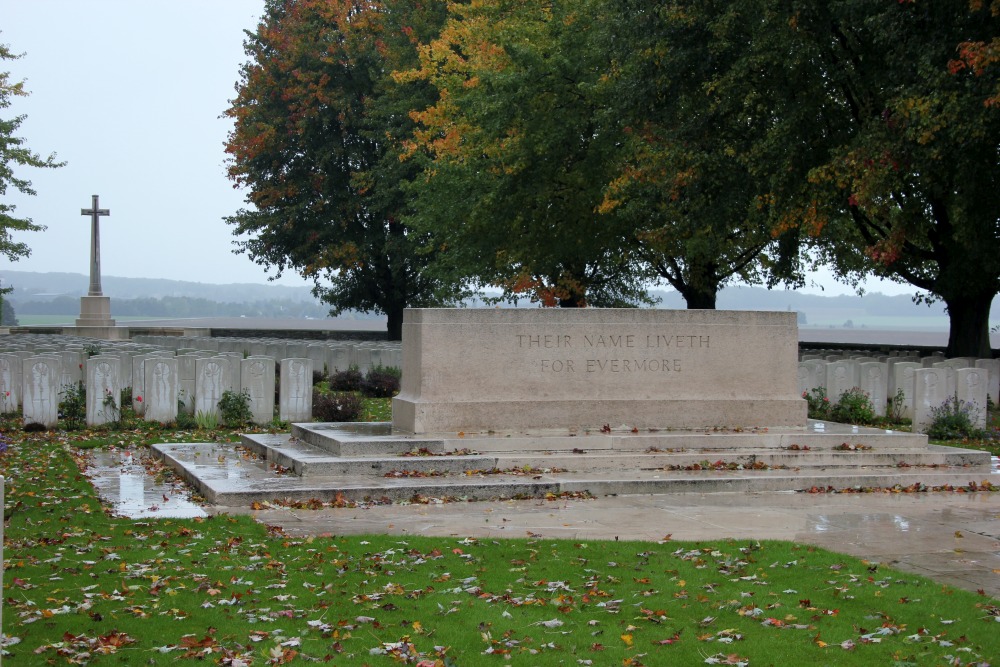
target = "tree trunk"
x: 573, y: 301
x: 395, y: 322
x: 700, y: 299
x: 969, y: 333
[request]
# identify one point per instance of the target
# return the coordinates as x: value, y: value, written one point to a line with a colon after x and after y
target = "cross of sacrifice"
x: 95, y: 245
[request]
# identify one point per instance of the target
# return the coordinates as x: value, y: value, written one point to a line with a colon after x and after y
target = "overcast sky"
x: 129, y: 93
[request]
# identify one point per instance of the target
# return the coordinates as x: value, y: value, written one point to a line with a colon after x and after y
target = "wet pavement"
x: 132, y: 484
x: 953, y: 538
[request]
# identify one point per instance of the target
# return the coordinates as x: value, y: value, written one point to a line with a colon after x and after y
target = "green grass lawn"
x: 83, y: 587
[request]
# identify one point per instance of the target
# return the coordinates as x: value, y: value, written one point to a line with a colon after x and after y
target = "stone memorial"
x: 295, y: 390
x: 500, y: 369
x: 95, y: 308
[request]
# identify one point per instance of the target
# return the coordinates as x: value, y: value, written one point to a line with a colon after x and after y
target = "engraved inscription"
x: 612, y: 342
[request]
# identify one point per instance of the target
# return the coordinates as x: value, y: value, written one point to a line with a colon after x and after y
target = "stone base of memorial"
x: 95, y: 320
x: 483, y: 370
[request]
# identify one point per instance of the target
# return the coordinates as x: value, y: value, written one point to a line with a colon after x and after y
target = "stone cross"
x: 95, y: 245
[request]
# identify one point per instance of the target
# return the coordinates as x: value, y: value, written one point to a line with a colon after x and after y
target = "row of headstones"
x: 161, y: 386
x: 924, y: 383
x: 329, y: 355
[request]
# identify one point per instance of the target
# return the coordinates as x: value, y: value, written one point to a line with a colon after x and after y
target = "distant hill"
x: 872, y: 311
x: 32, y: 286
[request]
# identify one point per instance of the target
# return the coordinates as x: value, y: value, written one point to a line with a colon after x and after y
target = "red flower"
x: 138, y: 399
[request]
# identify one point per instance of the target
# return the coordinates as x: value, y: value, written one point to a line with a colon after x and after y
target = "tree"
x: 317, y: 127
x: 14, y: 154
x: 514, y: 157
x: 695, y: 208
x: 882, y: 142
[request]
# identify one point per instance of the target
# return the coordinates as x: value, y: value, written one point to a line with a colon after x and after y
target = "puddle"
x: 122, y: 481
x: 859, y: 522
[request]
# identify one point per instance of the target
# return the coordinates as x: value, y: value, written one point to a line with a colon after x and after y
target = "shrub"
x: 349, y: 380
x: 336, y: 407
x: 185, y: 420
x: 380, y: 383
x: 112, y: 413
x: 819, y: 404
x: 318, y: 376
x: 235, y: 408
x: 952, y: 420
x: 73, y: 406
x: 894, y: 411
x: 853, y: 407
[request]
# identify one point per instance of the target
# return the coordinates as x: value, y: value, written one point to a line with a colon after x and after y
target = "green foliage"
x: 14, y: 154
x: 234, y: 408
x: 952, y: 420
x: 853, y: 407
x: 111, y: 410
x: 185, y: 420
x: 336, y: 406
x: 516, y: 155
x: 73, y: 406
x: 206, y: 421
x: 877, y: 148
x: 818, y: 404
x: 8, y: 318
x: 894, y: 411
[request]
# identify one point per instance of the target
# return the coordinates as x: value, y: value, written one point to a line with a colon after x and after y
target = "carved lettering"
x: 557, y: 366
x: 547, y: 341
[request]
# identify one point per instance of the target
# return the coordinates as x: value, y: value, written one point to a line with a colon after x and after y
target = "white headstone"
x: 213, y: 377
x: 103, y: 390
x: 41, y: 391
x: 257, y: 379
x: 993, y: 382
x: 840, y: 376
x: 139, y: 383
x: 903, y: 379
x: 10, y: 383
x: 160, y: 382
x: 873, y: 379
x: 929, y: 394
x: 295, y: 393
x: 970, y: 388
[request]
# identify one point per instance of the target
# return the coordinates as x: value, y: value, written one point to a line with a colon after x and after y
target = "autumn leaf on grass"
x: 554, y: 623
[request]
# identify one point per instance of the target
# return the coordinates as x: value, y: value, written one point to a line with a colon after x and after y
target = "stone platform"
x: 358, y: 462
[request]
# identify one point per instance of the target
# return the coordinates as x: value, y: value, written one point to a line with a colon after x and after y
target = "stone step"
x: 377, y: 439
x: 228, y: 475
x: 306, y: 459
